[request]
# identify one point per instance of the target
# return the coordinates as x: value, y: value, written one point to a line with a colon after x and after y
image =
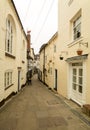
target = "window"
x: 70, y: 2
x: 54, y: 48
x: 77, y: 28
x: 8, y: 79
x: 77, y: 64
x: 77, y: 77
x: 45, y: 59
x: 9, y: 37
x: 23, y: 51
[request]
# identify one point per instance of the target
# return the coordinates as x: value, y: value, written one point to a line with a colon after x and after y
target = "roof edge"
x: 18, y: 18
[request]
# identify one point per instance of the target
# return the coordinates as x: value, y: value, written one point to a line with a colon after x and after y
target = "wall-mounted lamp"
x: 61, y: 56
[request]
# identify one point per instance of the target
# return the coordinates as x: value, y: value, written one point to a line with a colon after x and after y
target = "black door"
x: 55, y: 87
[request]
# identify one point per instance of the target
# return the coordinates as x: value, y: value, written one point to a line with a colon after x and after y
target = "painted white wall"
x: 67, y: 13
x: 7, y: 63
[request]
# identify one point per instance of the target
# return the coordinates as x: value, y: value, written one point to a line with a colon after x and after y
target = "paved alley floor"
x: 36, y: 107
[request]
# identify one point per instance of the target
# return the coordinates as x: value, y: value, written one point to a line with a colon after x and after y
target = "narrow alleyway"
x: 38, y: 108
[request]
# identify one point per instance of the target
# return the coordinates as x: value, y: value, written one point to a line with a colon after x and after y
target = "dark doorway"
x: 55, y: 85
x: 19, y: 80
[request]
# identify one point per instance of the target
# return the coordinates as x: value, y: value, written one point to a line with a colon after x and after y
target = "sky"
x: 40, y: 17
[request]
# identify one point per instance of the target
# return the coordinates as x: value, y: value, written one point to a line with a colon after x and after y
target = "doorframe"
x: 69, y: 77
x: 19, y: 75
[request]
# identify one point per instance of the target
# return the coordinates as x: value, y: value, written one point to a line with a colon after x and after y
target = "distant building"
x: 42, y: 63
x: 29, y: 52
x: 47, y: 59
x: 37, y: 60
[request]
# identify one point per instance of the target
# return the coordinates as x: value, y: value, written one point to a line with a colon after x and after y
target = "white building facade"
x: 73, y: 29
x: 13, y: 49
x: 70, y: 65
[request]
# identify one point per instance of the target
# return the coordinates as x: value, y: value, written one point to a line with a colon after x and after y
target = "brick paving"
x: 36, y: 107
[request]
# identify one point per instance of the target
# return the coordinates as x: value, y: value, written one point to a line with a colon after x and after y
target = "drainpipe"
x: 28, y: 48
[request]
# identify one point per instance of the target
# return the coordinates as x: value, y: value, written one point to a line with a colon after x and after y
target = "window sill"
x: 75, y: 42
x: 10, y: 55
x: 9, y: 86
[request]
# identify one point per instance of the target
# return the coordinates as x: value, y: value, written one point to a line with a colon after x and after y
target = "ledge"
x: 82, y: 57
x: 9, y: 86
x: 10, y: 55
x: 75, y: 42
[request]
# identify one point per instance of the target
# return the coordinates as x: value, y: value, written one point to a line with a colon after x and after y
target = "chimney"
x: 29, y: 40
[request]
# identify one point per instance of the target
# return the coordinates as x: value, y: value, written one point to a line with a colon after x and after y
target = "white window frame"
x: 8, y: 79
x: 77, y: 28
x: 9, y: 36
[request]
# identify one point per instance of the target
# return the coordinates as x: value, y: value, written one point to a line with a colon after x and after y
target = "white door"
x: 77, y: 82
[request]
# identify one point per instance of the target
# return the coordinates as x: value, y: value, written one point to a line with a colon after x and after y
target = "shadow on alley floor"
x: 36, y: 107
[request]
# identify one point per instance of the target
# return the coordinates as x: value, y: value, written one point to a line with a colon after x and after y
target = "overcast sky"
x: 39, y: 16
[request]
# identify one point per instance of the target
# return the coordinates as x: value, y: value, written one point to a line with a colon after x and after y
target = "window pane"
x: 7, y: 79
x: 78, y: 21
x: 74, y: 86
x: 80, y: 80
x: 80, y: 72
x: 80, y: 89
x: 74, y: 72
x: 74, y: 79
x: 77, y: 28
x: 9, y: 37
x: 77, y: 64
x: 54, y: 48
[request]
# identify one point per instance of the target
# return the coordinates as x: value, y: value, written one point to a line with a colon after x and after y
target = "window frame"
x: 8, y: 79
x: 77, y: 28
x: 9, y: 36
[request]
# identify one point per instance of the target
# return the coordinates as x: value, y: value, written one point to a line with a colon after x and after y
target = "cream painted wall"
x: 66, y: 15
x: 68, y: 11
x: 50, y: 61
x: 7, y: 63
x: 49, y: 64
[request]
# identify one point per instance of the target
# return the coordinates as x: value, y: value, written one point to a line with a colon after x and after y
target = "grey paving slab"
x: 36, y: 107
